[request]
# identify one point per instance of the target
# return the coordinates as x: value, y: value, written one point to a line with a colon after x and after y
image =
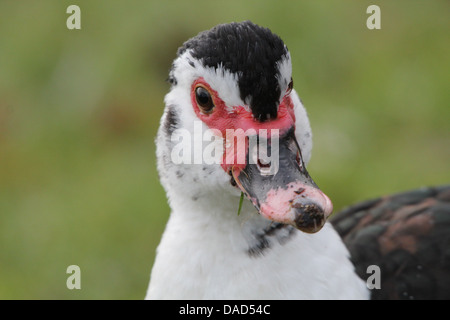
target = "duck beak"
x: 282, y: 190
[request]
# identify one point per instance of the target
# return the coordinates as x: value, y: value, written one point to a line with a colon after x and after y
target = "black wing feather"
x: 408, y: 236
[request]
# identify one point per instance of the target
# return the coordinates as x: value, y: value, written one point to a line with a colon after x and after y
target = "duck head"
x: 234, y: 123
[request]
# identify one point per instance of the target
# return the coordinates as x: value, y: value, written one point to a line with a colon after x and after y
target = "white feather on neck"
x: 204, y: 255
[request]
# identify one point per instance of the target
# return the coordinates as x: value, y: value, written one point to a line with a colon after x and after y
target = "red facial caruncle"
x: 216, y: 114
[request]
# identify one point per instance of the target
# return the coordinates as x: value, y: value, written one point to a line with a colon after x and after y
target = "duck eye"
x: 290, y: 86
x: 204, y: 99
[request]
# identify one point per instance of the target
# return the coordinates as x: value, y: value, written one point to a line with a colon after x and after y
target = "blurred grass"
x: 79, y: 111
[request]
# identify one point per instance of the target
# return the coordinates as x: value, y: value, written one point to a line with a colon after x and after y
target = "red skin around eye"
x: 222, y: 119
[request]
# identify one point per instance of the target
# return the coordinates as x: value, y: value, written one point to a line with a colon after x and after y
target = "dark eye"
x: 204, y: 99
x: 290, y: 86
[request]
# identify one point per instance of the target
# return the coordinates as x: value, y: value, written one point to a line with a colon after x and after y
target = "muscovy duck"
x: 234, y: 127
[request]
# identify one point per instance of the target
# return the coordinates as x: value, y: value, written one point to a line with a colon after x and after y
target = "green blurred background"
x: 79, y: 110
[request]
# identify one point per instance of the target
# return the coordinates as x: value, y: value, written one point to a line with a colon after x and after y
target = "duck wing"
x: 407, y: 236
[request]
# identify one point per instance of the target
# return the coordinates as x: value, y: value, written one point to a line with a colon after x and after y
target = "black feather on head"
x: 249, y: 51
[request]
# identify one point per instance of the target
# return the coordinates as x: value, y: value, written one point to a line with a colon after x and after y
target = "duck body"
x: 407, y: 235
x: 277, y: 243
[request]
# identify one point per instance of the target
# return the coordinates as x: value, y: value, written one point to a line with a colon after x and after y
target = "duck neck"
x: 209, y: 251
x: 216, y: 217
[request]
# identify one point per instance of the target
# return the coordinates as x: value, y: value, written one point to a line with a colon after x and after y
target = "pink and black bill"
x: 290, y: 195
